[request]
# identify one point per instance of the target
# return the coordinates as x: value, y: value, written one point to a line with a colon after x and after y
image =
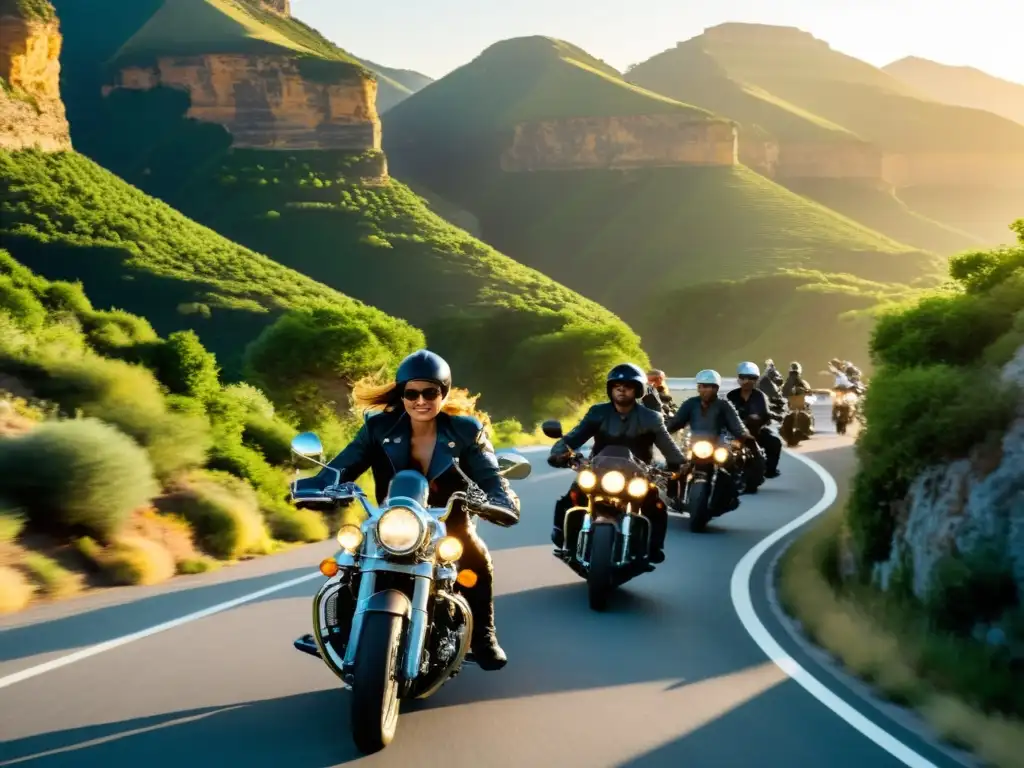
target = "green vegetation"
x: 395, y: 85
x: 33, y: 10
x: 885, y: 211
x: 982, y: 211
x: 738, y: 74
x: 67, y: 218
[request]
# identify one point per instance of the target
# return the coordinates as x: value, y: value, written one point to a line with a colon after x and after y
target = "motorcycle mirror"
x: 552, y: 428
x: 513, y: 466
x: 307, y: 445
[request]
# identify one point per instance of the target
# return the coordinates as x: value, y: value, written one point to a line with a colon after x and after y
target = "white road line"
x: 117, y: 642
x: 742, y: 602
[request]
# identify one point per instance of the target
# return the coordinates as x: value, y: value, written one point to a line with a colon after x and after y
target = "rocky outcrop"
x: 983, y: 169
x: 269, y: 102
x: 31, y: 111
x: 802, y: 160
x: 974, y: 505
x: 283, y: 7
x: 629, y: 141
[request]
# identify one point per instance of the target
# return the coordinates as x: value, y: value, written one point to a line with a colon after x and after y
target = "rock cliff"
x: 973, y: 507
x: 980, y: 168
x: 283, y: 7
x: 271, y: 101
x: 31, y: 111
x: 633, y: 141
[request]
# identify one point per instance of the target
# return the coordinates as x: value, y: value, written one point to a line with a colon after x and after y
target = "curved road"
x: 667, y: 677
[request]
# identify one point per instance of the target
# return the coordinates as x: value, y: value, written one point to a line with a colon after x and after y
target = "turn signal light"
x: 467, y: 579
x: 329, y: 567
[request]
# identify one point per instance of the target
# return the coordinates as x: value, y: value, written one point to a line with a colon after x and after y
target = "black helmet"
x: 426, y: 366
x: 627, y: 372
x: 796, y: 368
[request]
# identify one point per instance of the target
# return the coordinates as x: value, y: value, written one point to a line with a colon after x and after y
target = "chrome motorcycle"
x: 614, y: 539
x: 388, y: 620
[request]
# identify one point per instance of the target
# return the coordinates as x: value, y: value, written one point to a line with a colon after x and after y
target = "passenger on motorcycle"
x: 621, y: 421
x: 423, y: 425
x: 752, y: 406
x: 708, y: 416
x: 656, y: 378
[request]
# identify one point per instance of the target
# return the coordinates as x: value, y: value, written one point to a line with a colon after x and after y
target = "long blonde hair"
x: 369, y: 394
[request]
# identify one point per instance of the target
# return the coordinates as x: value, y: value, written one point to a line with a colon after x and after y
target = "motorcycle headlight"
x: 637, y: 487
x: 586, y: 480
x: 349, y: 538
x: 449, y: 549
x: 702, y: 449
x: 721, y: 455
x: 613, y: 482
x: 400, y: 531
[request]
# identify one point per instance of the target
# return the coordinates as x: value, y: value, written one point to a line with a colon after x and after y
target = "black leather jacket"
x: 708, y: 421
x: 639, y: 430
x: 382, y: 446
x: 794, y: 384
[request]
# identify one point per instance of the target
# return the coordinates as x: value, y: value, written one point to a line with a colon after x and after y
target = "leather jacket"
x: 755, y: 405
x: 639, y: 430
x: 382, y: 446
x: 709, y: 422
x: 794, y: 384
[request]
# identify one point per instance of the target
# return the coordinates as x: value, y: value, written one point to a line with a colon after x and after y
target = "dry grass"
x: 53, y: 579
x: 15, y: 591
x: 173, y: 532
x: 134, y: 560
x: 860, y: 632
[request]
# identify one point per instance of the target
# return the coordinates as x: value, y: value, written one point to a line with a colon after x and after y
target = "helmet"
x: 708, y: 376
x: 427, y: 366
x: 835, y: 362
x: 769, y: 363
x: 627, y: 372
x: 748, y: 369
x: 656, y: 372
x: 796, y: 368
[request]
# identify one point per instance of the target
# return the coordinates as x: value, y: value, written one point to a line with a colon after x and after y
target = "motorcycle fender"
x: 390, y: 601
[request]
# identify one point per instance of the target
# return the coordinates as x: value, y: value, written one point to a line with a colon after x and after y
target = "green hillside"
x: 395, y: 85
x: 962, y: 86
x: 828, y: 88
x: 68, y: 219
x: 885, y: 211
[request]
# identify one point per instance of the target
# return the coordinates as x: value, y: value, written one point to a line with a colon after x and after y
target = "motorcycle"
x: 844, y: 408
x: 751, y: 462
x: 613, y: 544
x: 798, y: 423
x: 388, y: 620
x: 705, y: 469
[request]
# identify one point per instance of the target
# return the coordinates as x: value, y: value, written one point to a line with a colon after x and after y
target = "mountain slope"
x: 68, y: 219
x: 961, y: 86
x: 395, y: 84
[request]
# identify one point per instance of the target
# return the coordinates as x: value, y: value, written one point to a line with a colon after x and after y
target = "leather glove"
x: 558, y: 461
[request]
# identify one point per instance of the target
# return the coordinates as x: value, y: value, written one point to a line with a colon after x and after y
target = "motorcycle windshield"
x: 614, y: 457
x: 410, y: 484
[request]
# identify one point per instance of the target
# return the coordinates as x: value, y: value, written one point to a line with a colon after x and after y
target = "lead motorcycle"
x: 614, y: 540
x: 388, y: 620
x: 706, y: 470
x: 798, y: 424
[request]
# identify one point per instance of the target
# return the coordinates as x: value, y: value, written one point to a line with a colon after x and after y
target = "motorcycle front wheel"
x: 698, y: 504
x: 375, y: 701
x: 602, y: 554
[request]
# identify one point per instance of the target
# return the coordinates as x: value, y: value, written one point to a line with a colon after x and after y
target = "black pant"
x: 476, y: 558
x: 652, y: 506
x: 772, y: 445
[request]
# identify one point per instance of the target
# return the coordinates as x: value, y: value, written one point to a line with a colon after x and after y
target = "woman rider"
x: 421, y: 428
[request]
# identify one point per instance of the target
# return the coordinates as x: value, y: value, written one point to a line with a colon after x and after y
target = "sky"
x: 436, y: 36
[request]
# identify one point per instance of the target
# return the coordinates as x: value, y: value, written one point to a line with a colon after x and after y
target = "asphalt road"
x: 668, y: 676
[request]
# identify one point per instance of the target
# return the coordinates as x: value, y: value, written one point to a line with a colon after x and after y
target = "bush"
x: 12, y: 522
x: 15, y: 591
x: 76, y: 474
x: 292, y: 524
x: 54, y: 580
x: 223, y: 511
x: 196, y: 565
x: 185, y: 367
x: 132, y: 560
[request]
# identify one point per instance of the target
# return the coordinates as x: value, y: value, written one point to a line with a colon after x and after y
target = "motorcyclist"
x: 707, y: 415
x: 770, y: 382
x: 796, y: 385
x: 619, y: 422
x: 423, y: 427
x: 656, y: 379
x: 772, y: 372
x: 752, y: 406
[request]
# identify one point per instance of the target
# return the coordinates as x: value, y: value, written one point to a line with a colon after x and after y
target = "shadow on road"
x: 96, y: 626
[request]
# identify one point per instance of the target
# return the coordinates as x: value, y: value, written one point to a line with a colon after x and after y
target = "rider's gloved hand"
x: 558, y: 460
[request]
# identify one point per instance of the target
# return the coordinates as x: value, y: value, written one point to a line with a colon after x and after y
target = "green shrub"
x: 966, y: 590
x: 223, y: 511
x: 76, y: 474
x: 12, y: 523
x: 53, y: 579
x: 185, y: 367
x: 132, y: 560
x: 292, y: 524
x: 194, y: 565
x: 271, y: 437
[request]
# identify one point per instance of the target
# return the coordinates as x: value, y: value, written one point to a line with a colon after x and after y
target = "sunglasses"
x: 748, y: 378
x: 429, y: 394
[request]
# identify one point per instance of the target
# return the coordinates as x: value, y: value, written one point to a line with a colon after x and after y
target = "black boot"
x: 487, y: 654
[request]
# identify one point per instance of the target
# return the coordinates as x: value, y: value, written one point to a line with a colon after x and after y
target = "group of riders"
x: 412, y: 430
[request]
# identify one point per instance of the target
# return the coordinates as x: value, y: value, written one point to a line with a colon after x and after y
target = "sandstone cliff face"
x: 266, y: 103
x: 958, y: 509
x: 633, y: 141
x: 955, y: 169
x: 31, y: 111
